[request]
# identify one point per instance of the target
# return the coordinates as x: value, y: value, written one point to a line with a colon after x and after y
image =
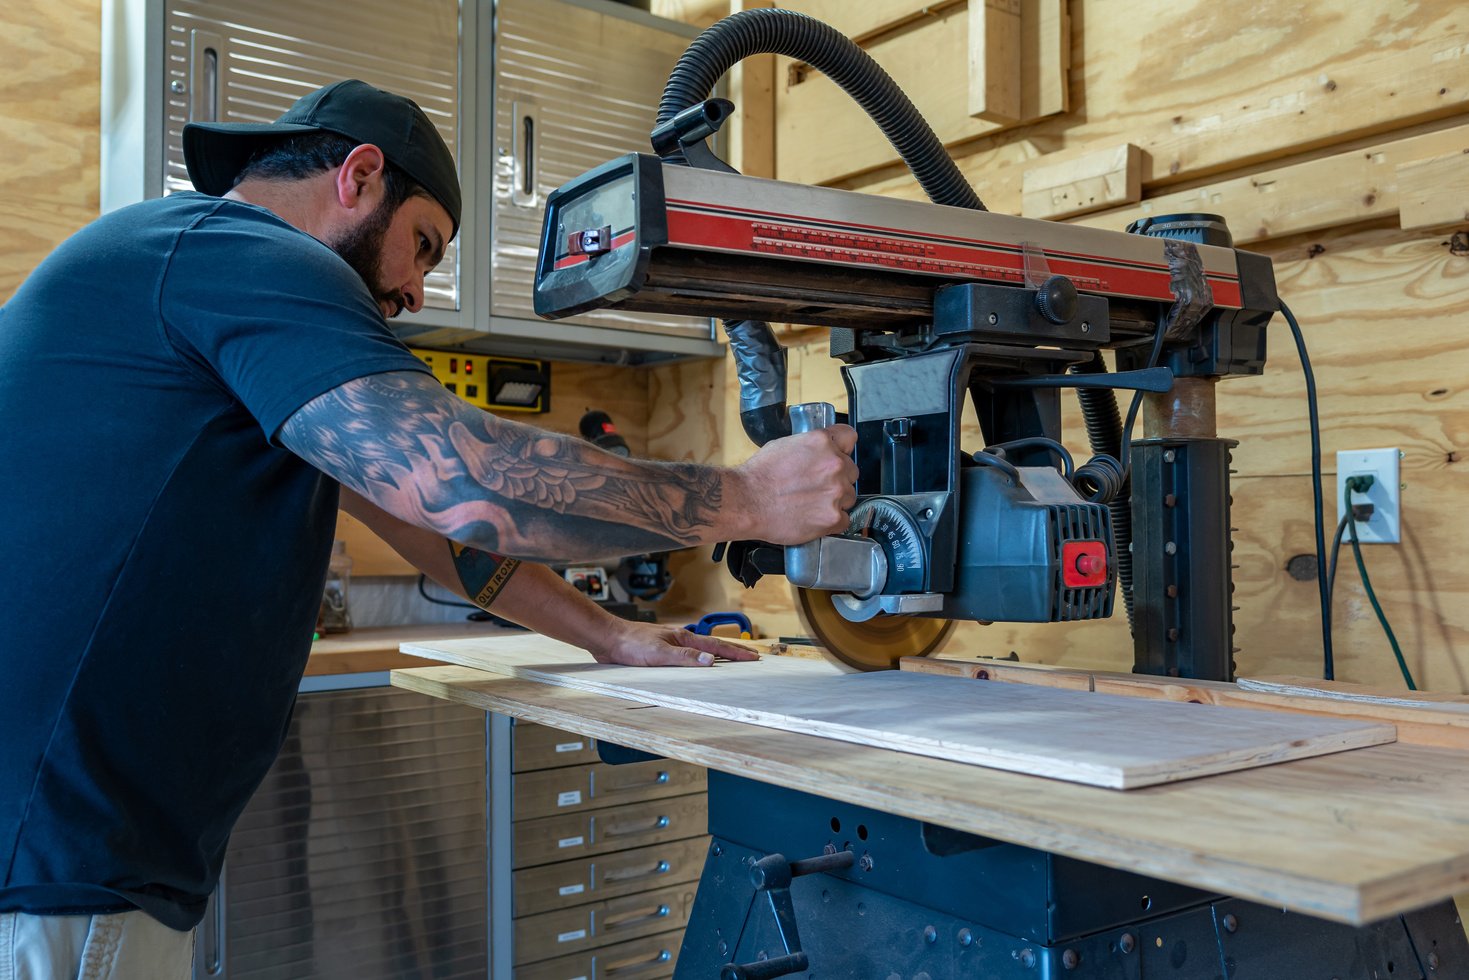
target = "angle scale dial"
x: 896, y: 531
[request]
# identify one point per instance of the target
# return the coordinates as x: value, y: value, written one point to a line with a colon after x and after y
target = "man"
x: 184, y: 384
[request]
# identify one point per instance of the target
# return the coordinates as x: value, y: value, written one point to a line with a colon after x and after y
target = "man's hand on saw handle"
x: 800, y: 487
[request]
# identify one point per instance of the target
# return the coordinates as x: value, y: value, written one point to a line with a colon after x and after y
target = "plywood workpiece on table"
x: 1099, y: 740
x: 1353, y: 837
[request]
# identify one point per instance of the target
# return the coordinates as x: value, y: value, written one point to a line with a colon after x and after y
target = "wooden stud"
x: 994, y: 60
x: 1434, y: 192
x: 1101, y: 178
x: 1045, y: 65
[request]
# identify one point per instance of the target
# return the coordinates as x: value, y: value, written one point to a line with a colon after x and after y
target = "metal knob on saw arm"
x: 832, y: 563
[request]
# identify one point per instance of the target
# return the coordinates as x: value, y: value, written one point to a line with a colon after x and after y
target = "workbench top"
x: 1353, y: 837
x: 377, y: 648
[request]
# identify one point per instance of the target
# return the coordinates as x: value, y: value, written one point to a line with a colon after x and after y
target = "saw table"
x: 1335, y: 866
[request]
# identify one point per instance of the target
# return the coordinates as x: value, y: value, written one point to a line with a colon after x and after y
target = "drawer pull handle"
x: 633, y: 874
x: 659, y: 780
x: 622, y: 922
x: 628, y: 969
x: 624, y: 830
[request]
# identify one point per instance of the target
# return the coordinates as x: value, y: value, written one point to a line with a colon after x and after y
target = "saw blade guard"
x: 878, y: 643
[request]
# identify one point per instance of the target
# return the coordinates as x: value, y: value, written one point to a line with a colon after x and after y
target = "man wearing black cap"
x: 185, y: 384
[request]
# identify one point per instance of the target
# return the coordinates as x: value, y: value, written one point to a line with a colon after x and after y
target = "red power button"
x: 1083, y: 564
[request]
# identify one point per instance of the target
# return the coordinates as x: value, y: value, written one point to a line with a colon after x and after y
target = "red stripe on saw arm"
x: 737, y: 234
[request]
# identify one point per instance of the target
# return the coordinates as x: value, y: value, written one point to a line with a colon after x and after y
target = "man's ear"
x: 359, y: 180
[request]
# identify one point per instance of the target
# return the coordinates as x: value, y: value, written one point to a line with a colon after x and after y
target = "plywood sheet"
x: 1099, y: 740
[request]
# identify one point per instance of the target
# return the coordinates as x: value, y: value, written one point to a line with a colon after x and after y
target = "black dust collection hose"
x: 1104, y: 433
x: 760, y: 359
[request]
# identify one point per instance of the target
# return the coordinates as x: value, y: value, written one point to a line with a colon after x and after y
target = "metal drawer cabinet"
x: 604, y: 859
x: 577, y: 788
x: 584, y: 927
x: 541, y: 747
x: 547, y: 839
x: 651, y: 958
x: 555, y: 886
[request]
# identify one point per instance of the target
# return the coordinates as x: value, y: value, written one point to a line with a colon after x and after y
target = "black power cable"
x: 1341, y: 529
x: 1328, y: 662
x: 1354, y: 484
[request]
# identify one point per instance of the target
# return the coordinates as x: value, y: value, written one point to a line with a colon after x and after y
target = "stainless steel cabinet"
x: 528, y: 93
x: 363, y: 854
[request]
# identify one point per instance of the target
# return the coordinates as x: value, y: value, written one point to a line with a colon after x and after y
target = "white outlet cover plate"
x: 1385, y: 496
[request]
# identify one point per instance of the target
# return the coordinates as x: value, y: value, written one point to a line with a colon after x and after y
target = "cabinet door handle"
x: 525, y: 143
x: 638, y: 966
x: 633, y: 874
x: 206, y: 58
x: 624, y: 830
x: 625, y: 921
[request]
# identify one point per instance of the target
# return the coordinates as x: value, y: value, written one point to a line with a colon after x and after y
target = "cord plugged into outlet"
x: 1376, y: 493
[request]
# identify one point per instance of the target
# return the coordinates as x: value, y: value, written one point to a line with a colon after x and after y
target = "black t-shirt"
x: 163, y: 557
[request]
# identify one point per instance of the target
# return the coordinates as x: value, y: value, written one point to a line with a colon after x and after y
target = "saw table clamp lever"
x: 772, y: 875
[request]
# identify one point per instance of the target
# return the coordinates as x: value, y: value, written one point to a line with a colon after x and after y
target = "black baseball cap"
x: 216, y: 152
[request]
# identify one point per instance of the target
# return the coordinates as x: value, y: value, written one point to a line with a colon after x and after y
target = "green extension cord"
x: 1362, y: 484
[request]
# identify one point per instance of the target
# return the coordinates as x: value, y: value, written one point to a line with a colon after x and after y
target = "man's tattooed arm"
x: 482, y: 573
x: 416, y: 451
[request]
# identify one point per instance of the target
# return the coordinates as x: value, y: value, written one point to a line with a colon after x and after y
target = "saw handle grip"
x: 810, y: 416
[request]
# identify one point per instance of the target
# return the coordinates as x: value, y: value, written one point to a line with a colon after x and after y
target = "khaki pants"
x: 118, y: 946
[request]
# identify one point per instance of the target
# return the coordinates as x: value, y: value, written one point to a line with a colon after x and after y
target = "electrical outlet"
x: 1385, y: 494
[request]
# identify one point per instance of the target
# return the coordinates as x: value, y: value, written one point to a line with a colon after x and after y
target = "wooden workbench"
x: 376, y: 648
x: 1352, y: 837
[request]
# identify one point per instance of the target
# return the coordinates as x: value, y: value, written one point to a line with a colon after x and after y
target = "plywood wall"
x: 1319, y: 130
x: 49, y: 112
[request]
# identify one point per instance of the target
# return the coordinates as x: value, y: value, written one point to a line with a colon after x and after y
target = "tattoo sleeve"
x: 482, y: 573
x: 409, y: 446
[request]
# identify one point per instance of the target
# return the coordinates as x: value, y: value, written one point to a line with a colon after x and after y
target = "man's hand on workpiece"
x: 801, y: 487
x: 648, y: 645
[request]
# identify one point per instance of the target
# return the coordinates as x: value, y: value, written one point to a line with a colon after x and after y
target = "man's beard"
x: 362, y: 249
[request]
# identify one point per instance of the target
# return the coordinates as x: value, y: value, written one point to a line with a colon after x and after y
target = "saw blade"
x: 876, y: 644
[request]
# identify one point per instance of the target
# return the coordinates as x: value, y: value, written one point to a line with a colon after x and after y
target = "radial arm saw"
x: 931, y: 306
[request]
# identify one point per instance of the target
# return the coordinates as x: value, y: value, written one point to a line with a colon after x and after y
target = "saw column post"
x: 1181, y: 548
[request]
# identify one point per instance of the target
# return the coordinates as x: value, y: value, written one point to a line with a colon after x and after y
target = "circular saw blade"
x: 877, y: 644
